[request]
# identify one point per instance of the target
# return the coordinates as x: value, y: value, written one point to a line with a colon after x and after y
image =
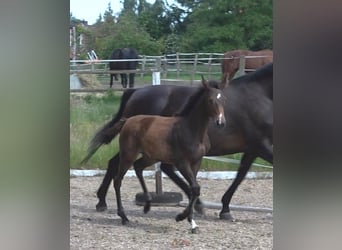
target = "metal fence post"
x: 158, y: 174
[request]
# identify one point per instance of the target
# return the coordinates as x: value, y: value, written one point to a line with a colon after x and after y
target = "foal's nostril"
x: 220, y: 124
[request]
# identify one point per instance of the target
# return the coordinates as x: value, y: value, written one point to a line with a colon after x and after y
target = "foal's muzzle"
x: 221, y: 121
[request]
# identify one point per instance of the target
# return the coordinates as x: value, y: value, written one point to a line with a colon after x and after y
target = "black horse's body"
x: 125, y: 53
x: 249, y: 114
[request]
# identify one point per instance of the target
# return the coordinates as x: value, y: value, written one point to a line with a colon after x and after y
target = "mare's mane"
x: 266, y: 70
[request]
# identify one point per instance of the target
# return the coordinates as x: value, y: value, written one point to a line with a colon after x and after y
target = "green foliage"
x: 218, y: 26
x: 190, y: 26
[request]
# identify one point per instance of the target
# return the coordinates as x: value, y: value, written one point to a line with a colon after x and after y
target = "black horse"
x: 125, y: 53
x: 249, y: 112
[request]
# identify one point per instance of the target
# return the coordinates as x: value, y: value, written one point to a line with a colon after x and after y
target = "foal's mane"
x: 192, y: 101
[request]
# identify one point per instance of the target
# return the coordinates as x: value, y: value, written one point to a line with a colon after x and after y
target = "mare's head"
x: 215, y: 103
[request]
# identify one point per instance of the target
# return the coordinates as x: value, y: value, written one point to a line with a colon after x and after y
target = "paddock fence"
x: 176, y: 69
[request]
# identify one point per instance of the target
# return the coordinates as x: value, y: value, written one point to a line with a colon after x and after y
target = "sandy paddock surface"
x: 158, y: 229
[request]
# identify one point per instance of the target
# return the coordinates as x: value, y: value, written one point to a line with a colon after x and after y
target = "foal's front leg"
x: 190, y: 175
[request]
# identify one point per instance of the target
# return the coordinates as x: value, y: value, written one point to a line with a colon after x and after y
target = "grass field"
x: 89, y: 112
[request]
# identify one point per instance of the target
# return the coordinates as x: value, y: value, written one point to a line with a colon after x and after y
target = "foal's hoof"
x: 226, y: 216
x: 195, y: 230
x: 100, y: 207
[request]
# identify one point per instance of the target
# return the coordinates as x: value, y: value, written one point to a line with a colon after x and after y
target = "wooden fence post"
x: 177, y: 63
x: 194, y: 69
x: 143, y: 66
x: 241, y: 70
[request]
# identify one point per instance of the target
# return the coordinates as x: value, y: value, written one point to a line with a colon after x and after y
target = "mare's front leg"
x: 245, y: 164
x: 103, y: 189
x: 139, y: 166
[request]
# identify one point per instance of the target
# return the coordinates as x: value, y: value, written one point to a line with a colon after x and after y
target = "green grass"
x: 88, y: 113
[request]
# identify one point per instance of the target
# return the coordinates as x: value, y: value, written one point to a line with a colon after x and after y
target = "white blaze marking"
x: 220, y: 118
x: 218, y: 96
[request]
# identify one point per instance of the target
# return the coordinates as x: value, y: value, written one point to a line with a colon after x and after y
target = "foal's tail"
x: 110, y: 130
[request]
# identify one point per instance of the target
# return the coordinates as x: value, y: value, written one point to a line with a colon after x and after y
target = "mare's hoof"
x: 147, y: 207
x: 124, y: 221
x: 195, y: 230
x: 100, y: 207
x: 226, y: 216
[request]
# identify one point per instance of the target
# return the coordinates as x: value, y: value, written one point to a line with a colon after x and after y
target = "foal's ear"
x: 224, y: 82
x: 204, y: 83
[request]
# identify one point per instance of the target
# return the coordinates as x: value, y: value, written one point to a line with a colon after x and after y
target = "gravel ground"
x: 158, y: 229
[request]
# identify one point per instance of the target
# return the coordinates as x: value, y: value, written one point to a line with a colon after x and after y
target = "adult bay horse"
x: 124, y: 53
x: 181, y: 141
x: 249, y: 109
x: 254, y: 60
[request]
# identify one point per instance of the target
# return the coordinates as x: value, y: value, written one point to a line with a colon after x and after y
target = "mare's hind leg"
x: 139, y: 166
x: 110, y: 173
x: 168, y: 169
x: 245, y: 164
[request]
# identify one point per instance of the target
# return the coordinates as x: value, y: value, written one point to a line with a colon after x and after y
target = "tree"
x: 220, y: 25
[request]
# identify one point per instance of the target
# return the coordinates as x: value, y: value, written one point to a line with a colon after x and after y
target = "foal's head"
x: 215, y: 103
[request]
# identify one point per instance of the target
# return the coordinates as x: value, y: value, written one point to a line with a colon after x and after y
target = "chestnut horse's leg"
x: 169, y: 170
x: 110, y: 174
x: 139, y: 166
x: 245, y: 164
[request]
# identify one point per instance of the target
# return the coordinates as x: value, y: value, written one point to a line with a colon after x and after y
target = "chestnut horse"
x: 254, y: 60
x: 180, y: 140
x: 249, y: 131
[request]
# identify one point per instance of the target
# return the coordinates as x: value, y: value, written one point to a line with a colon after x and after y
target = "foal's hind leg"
x: 125, y: 164
x: 139, y: 166
x: 245, y: 164
x: 110, y: 173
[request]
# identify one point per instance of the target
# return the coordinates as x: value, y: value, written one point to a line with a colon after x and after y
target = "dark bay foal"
x: 180, y: 140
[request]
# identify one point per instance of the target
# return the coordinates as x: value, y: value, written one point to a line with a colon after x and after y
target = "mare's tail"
x: 111, y: 129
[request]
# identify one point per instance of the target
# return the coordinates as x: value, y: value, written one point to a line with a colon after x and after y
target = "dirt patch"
x: 158, y: 229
